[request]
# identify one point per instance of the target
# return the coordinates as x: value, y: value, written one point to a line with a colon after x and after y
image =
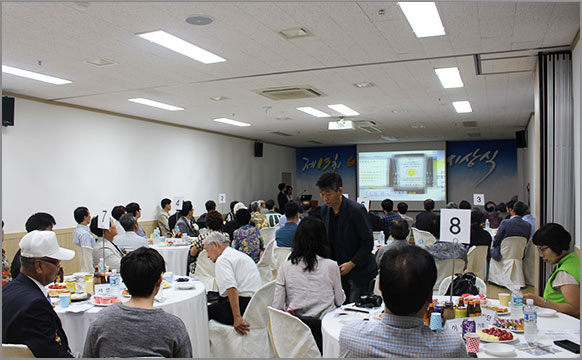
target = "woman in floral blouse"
x: 247, y: 238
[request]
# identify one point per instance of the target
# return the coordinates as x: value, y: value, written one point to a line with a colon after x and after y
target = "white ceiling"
x: 351, y: 43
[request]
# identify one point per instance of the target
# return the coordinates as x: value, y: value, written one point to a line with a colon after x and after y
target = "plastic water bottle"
x: 115, y: 283
x: 102, y: 265
x: 382, y: 238
x: 516, y: 303
x: 530, y: 317
x: 487, y: 224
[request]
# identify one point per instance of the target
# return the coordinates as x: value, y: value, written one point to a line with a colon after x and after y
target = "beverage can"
x: 468, y: 326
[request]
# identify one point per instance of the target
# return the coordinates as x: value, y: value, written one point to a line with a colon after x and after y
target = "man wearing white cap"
x: 27, y: 315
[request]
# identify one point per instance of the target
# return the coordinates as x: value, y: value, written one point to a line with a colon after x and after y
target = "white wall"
x: 577, y: 79
x: 57, y: 158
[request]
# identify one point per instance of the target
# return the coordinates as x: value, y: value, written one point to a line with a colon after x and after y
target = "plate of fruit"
x: 495, y: 335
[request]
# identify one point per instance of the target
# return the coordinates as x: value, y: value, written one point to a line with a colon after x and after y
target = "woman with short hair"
x: 562, y: 291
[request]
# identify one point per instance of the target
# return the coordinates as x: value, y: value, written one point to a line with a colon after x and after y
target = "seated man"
x: 399, y: 231
x: 237, y: 278
x: 82, y: 238
x: 39, y: 221
x: 479, y: 236
x: 164, y: 217
x: 186, y: 224
x: 407, y: 276
x: 272, y: 215
x: 135, y: 210
x: 514, y: 226
x: 129, y: 240
x: 27, y: 315
x: 426, y: 218
x: 389, y: 216
x: 159, y: 334
x: 116, y: 213
x: 284, y: 236
x: 210, y: 206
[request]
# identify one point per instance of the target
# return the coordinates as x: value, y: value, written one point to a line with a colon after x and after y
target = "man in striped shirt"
x: 272, y: 215
x: 407, y: 276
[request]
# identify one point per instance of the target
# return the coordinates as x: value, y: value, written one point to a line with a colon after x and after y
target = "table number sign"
x: 456, y: 225
x: 365, y: 202
x: 104, y: 219
x: 222, y: 198
x: 178, y: 201
x: 479, y: 199
x: 102, y: 289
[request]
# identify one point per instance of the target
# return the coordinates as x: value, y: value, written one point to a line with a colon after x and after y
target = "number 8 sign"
x: 456, y: 225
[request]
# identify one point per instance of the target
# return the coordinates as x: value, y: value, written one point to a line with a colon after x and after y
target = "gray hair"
x: 217, y: 238
x: 255, y: 206
x: 128, y: 221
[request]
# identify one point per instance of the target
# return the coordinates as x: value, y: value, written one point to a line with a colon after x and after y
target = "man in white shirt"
x: 129, y: 240
x: 237, y: 278
x: 83, y: 240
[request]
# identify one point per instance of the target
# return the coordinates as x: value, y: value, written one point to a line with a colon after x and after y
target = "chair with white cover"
x: 225, y: 342
x: 422, y: 237
x: 477, y: 260
x: 377, y: 285
x: 205, y: 271
x: 529, y: 264
x: 16, y: 351
x: 268, y: 233
x: 511, y: 265
x: 265, y: 264
x: 280, y: 255
x: 444, y: 285
x: 291, y: 337
x: 85, y: 258
x: 445, y: 268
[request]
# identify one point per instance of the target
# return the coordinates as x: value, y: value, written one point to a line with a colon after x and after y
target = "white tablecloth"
x: 188, y: 305
x: 176, y: 257
x: 332, y: 324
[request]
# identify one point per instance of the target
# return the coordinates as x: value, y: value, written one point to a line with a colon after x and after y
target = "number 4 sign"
x: 456, y: 225
x: 178, y: 200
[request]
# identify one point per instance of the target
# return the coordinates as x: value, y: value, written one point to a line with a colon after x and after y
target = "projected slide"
x: 402, y: 175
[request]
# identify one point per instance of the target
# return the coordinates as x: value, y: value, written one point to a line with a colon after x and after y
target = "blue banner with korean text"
x: 313, y: 162
x: 482, y: 167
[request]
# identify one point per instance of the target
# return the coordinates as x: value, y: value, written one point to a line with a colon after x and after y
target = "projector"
x: 341, y: 125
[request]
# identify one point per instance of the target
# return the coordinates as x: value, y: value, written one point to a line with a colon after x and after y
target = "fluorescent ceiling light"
x: 462, y: 106
x: 180, y: 46
x: 423, y: 17
x: 340, y: 125
x: 33, y: 75
x: 314, y: 112
x: 231, y: 122
x: 449, y: 77
x: 344, y: 110
x: 156, y: 104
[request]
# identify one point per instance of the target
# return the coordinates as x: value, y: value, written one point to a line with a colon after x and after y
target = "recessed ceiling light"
x: 100, y: 62
x: 449, y: 77
x: 314, y: 112
x: 462, y: 106
x: 344, y: 110
x: 34, y: 76
x: 155, y: 104
x: 180, y: 46
x: 423, y: 17
x: 388, y: 138
x: 397, y: 111
x: 231, y: 122
x: 219, y: 98
x: 417, y: 126
x: 199, y: 20
x: 364, y: 84
x: 295, y: 33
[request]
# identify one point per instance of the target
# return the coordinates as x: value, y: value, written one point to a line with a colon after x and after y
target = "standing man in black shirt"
x: 350, y: 237
x: 282, y: 197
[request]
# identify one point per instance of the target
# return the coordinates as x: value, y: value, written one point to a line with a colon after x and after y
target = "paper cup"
x: 436, y: 321
x: 504, y: 299
x: 473, y: 340
x: 65, y: 300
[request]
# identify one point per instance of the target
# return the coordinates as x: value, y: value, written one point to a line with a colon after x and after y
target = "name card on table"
x: 489, y: 315
x: 457, y: 324
x: 456, y: 225
x: 102, y: 289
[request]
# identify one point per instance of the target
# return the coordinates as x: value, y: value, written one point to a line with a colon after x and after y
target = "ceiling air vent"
x: 280, y: 133
x: 368, y: 126
x: 474, y: 135
x: 469, y: 123
x: 290, y: 93
x: 315, y: 142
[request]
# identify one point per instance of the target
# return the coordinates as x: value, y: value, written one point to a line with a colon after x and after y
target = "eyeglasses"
x: 51, y: 261
x: 542, y: 249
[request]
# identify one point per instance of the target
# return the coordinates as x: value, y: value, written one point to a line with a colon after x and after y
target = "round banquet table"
x: 333, y: 322
x: 189, y: 305
x: 176, y: 257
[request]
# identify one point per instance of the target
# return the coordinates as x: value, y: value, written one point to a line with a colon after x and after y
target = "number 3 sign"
x: 456, y: 225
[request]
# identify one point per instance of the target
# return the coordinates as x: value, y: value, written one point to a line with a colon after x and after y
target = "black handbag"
x: 463, y: 284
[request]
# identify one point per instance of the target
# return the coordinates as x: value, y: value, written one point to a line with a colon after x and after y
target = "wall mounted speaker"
x: 258, y: 149
x: 521, y: 139
x: 7, y: 111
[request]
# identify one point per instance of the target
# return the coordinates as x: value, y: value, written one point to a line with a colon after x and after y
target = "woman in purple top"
x: 247, y: 238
